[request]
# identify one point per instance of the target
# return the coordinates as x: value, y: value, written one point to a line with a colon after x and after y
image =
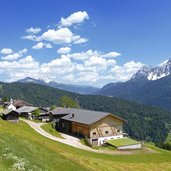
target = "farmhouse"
x: 57, y: 113
x: 11, y: 115
x: 96, y: 126
x: 44, y: 115
x: 21, y: 103
x: 28, y: 112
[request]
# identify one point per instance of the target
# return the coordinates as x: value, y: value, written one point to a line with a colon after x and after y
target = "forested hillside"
x: 157, y: 92
x: 142, y: 122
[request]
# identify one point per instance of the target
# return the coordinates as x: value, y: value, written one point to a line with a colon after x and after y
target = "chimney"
x: 73, y: 115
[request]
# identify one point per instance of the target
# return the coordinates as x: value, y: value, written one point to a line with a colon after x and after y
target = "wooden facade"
x: 11, y: 116
x: 105, y: 127
x: 79, y: 129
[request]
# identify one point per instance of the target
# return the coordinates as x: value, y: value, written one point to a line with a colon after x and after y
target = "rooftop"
x: 27, y: 109
x: 122, y: 142
x: 21, y: 103
x: 80, y: 115
x: 7, y: 111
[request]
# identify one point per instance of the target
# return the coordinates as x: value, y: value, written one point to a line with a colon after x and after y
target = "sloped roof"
x: 59, y: 111
x: 7, y: 111
x: 26, y: 109
x: 81, y: 116
x: 21, y: 103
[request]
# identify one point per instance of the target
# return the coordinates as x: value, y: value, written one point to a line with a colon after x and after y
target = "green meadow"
x: 21, y: 148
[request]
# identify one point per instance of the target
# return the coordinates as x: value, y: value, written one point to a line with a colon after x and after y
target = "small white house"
x: 11, y: 106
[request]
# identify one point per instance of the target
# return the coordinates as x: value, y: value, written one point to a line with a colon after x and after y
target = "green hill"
x: 21, y: 148
x: 143, y: 122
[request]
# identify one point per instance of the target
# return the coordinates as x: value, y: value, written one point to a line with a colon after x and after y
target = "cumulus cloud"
x: 30, y: 37
x: 63, y: 35
x: 6, y: 51
x: 14, y: 56
x: 64, y: 50
x: 81, y: 56
x: 60, y: 36
x: 75, y: 18
x: 81, y: 40
x: 87, y: 54
x: 111, y: 55
x: 41, y: 45
x: 123, y: 73
x: 33, y: 30
x: 92, y: 69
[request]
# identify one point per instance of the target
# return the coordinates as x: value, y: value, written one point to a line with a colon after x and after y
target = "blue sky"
x: 96, y: 42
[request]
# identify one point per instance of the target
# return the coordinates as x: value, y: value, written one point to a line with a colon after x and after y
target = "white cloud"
x: 41, y: 45
x: 81, y: 40
x: 75, y: 18
x: 38, y: 45
x: 30, y: 37
x: 15, y: 56
x: 125, y: 72
x: 81, y: 56
x: 33, y: 30
x: 89, y: 67
x: 24, y: 63
x: 111, y: 55
x: 48, y: 45
x: 6, y: 51
x: 64, y: 50
x: 60, y: 36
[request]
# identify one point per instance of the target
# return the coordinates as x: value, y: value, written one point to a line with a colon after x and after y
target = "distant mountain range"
x: 81, y: 89
x: 150, y: 85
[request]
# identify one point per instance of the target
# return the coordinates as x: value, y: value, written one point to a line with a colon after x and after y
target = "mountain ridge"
x: 81, y: 89
x: 150, y: 85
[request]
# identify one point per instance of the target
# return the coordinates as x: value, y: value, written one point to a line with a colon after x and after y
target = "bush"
x: 166, y: 146
x: 87, y: 142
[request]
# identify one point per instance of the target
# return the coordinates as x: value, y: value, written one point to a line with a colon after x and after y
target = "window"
x: 94, y: 133
x: 118, y: 130
x: 106, y: 132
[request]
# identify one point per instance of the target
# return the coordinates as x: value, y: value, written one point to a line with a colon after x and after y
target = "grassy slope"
x: 48, y: 128
x: 40, y: 153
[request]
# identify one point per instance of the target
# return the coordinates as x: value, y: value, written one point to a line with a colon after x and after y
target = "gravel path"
x: 70, y: 140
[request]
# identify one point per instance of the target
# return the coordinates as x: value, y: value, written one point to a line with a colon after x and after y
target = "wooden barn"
x: 10, y: 115
x: 96, y: 126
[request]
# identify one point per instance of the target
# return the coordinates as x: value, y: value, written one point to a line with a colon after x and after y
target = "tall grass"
x: 21, y: 146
